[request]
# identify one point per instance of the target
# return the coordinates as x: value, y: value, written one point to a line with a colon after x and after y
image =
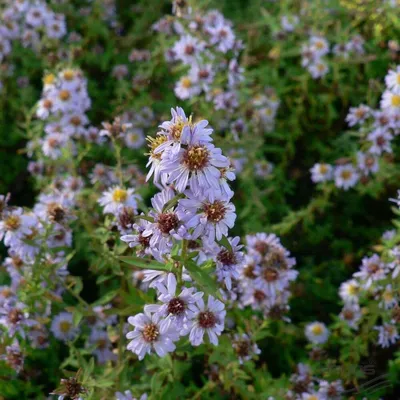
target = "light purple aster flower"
x: 209, y: 215
x: 151, y: 333
x: 208, y: 319
x: 177, y: 306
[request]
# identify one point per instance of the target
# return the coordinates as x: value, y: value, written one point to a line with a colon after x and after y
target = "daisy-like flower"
x: 151, y: 333
x: 115, y: 197
x: 331, y: 390
x: 63, y: 328
x: 127, y: 395
x: 349, y: 291
x: 208, y: 319
x: 317, y: 332
x: 134, y: 138
x: 14, y: 357
x: 367, y: 163
x: 207, y: 215
x: 228, y: 262
x: 358, y: 115
x: 15, y: 319
x: 319, y: 45
x: 392, y: 80
x: 371, y: 270
x: 186, y: 88
x: 389, y: 298
x: 166, y: 223
x: 222, y: 36
x: 196, y: 165
x: 380, y: 139
x: 138, y: 239
x: 351, y: 314
x: 387, y: 335
x: 187, y: 49
x: 177, y: 306
x: 390, y: 101
x: 318, y: 69
x: 244, y: 348
x: 345, y: 176
x: 321, y: 172
x: 102, y: 346
x: 15, y: 225
x: 289, y: 22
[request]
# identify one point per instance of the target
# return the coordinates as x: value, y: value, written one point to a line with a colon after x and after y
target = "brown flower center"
x: 207, y: 319
x: 242, y: 348
x: 270, y: 274
x: 167, y: 222
x: 150, y: 332
x: 176, y: 306
x: 15, y: 315
x: 226, y: 257
x: 13, y: 222
x: 214, y: 212
x: 196, y: 158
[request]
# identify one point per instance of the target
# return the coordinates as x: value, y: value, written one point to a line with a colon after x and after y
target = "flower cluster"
x: 209, y: 46
x: 377, y: 129
x: 265, y: 275
x: 305, y: 386
x: 318, y: 47
x: 29, y: 22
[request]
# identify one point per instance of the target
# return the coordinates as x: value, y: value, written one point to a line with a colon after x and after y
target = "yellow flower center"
x: 120, y: 195
x: 346, y: 174
x: 186, y: 82
x: 317, y: 330
x: 396, y: 100
x: 353, y: 290
x: 319, y: 45
x: 69, y: 74
x: 388, y: 296
x: 64, y: 95
x: 154, y: 143
x: 323, y: 169
x: 49, y: 79
x: 13, y: 222
x: 65, y: 326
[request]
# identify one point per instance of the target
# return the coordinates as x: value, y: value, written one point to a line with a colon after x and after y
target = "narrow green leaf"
x: 144, y: 263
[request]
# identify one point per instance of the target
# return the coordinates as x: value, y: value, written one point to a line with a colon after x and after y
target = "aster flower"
x: 177, y: 306
x: 345, y: 176
x: 392, y: 80
x: 188, y: 48
x: 114, y: 197
x: 289, y: 22
x: 63, y: 328
x: 321, y: 172
x: 14, y: 225
x: 209, y: 215
x: 318, y: 69
x: 371, y: 270
x: 349, y: 291
x: 102, y: 346
x: 319, y: 45
x: 127, y: 395
x: 228, y: 262
x: 208, y: 319
x: 389, y: 298
x: 166, y: 223
x: 196, y: 166
x: 138, y: 239
x: 367, y: 163
x: 380, y: 140
x: 351, y: 314
x: 331, y: 390
x: 14, y: 356
x: 151, y: 333
x: 317, y: 333
x: 358, y: 115
x: 244, y: 348
x: 15, y: 319
x: 387, y: 335
x: 390, y: 101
